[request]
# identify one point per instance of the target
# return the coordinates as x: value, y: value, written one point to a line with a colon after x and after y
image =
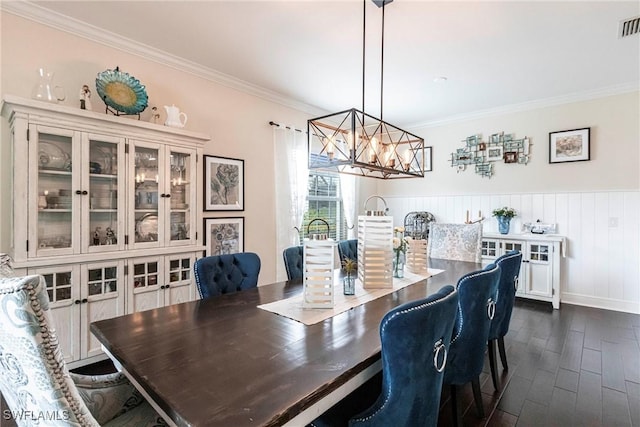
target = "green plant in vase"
x: 504, y: 215
x: 349, y: 266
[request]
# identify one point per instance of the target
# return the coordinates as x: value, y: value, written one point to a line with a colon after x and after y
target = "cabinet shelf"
x: 103, y: 176
x: 54, y: 172
x: 55, y: 210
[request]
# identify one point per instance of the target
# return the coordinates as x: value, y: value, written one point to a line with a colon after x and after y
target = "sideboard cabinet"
x: 96, y: 199
x: 540, y: 269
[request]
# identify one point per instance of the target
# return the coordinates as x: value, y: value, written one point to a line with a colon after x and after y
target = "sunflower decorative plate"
x: 122, y: 92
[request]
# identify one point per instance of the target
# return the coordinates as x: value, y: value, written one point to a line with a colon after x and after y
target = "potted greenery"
x: 504, y: 215
x: 349, y: 266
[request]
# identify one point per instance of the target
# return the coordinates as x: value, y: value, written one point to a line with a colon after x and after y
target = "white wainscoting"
x: 602, y: 265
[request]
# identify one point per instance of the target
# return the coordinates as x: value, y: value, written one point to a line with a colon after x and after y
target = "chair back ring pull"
x: 491, y: 308
x: 515, y: 283
x: 437, y: 349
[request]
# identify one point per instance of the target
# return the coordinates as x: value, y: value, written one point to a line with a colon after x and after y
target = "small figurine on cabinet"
x: 111, y: 237
x: 155, y: 116
x: 96, y: 237
x: 85, y: 98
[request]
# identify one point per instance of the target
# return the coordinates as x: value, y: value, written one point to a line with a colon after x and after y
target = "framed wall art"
x: 569, y: 145
x: 223, y: 184
x: 494, y: 153
x: 223, y: 236
x: 428, y: 159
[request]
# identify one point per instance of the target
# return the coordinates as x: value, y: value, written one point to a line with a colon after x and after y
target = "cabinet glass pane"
x: 102, y: 281
x: 489, y: 248
x: 54, y: 191
x: 58, y: 286
x: 510, y: 246
x: 180, y: 167
x: 539, y: 253
x: 179, y: 269
x: 145, y: 274
x: 146, y: 194
x: 103, y: 192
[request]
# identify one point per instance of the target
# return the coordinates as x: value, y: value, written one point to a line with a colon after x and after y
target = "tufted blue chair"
x: 225, y: 274
x: 415, y: 337
x: 459, y: 242
x: 348, y: 249
x: 509, y: 264
x: 293, y: 258
x: 476, y: 307
x: 35, y: 381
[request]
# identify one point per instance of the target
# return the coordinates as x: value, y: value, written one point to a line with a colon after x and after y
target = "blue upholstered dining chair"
x: 476, y: 308
x: 34, y: 379
x: 348, y: 249
x: 415, y: 337
x: 225, y: 274
x: 458, y: 242
x: 509, y: 264
x: 293, y: 260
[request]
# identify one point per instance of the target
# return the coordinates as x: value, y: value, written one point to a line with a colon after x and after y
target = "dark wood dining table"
x: 225, y: 362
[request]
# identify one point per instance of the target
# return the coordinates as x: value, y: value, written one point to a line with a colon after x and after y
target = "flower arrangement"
x: 505, y: 212
x: 400, y: 246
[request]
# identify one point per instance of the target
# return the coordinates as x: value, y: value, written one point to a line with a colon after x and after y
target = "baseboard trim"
x: 597, y: 302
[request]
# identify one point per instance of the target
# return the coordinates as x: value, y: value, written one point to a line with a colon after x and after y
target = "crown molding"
x: 533, y: 105
x: 33, y: 12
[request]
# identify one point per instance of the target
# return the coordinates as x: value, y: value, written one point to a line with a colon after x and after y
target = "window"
x: 324, y: 201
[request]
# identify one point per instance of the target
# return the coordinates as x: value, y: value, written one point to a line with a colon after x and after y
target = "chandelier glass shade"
x: 357, y: 143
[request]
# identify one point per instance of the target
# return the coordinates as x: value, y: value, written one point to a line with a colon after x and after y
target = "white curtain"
x: 291, y: 180
x: 349, y: 195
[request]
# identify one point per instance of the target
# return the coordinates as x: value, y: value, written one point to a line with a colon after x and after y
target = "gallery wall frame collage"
x: 223, y: 192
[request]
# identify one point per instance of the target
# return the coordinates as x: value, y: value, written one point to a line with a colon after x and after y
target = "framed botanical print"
x: 569, y: 145
x: 223, y: 236
x: 223, y: 184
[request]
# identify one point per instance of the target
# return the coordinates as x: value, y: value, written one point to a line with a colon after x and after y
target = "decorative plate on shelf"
x: 147, y: 228
x: 122, y: 92
x: 52, y: 157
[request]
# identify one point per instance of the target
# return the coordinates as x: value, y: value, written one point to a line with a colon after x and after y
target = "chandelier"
x: 358, y: 143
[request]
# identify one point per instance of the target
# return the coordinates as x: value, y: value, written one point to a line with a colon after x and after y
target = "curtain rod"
x: 272, y: 123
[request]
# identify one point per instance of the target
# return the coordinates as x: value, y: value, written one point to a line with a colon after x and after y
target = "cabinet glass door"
x: 55, y: 186
x: 105, y: 230
x: 103, y: 297
x: 179, y: 286
x: 180, y: 184
x: 145, y: 199
x: 64, y: 302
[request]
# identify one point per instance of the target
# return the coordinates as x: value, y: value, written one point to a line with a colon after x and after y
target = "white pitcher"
x: 175, y: 118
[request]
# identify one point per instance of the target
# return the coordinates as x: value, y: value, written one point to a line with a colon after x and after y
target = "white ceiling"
x: 494, y: 54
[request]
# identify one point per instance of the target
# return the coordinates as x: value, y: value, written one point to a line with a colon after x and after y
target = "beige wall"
x: 615, y: 155
x: 237, y: 122
x: 238, y: 125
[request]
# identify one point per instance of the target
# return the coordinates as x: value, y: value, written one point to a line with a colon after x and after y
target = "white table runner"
x: 292, y: 307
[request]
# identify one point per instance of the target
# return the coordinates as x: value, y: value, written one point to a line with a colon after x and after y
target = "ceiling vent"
x: 629, y: 27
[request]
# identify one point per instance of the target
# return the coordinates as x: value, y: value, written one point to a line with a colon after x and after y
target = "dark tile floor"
x: 576, y: 366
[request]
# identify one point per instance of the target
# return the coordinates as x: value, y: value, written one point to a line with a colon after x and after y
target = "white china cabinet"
x: 540, y: 269
x: 95, y: 198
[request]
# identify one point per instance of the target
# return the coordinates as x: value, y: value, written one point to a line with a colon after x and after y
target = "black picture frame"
x: 223, y: 184
x: 573, y: 145
x: 223, y: 235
